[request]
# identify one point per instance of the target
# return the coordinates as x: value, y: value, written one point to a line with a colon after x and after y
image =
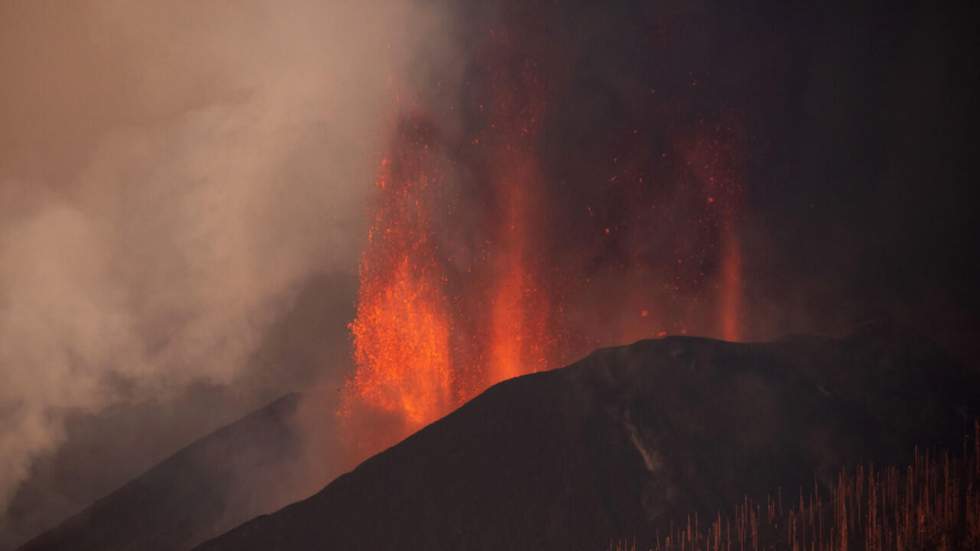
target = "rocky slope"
x: 630, y: 439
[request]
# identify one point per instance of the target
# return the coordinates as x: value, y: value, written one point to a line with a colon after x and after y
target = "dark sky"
x: 836, y: 136
x: 846, y: 129
x: 848, y: 126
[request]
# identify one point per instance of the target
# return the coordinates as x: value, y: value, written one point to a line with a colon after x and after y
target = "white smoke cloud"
x: 170, y: 173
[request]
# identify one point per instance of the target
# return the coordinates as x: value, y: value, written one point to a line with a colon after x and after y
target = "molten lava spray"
x: 518, y: 322
x: 712, y: 160
x: 432, y: 329
x: 480, y: 268
x: 402, y: 328
x: 521, y: 331
x: 730, y: 304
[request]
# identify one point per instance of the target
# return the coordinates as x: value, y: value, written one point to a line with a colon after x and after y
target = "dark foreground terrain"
x: 630, y: 440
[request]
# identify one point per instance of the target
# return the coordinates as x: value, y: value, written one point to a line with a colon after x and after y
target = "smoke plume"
x: 170, y: 176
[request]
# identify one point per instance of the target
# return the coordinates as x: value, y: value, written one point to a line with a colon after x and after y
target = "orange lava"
x: 463, y: 284
x: 521, y: 331
x: 730, y: 303
x: 402, y: 328
x: 712, y: 160
x: 425, y: 340
x: 519, y: 322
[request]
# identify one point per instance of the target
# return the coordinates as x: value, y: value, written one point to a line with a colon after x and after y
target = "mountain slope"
x: 629, y: 439
x: 235, y: 473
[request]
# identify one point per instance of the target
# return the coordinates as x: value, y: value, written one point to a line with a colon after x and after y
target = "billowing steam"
x: 169, y: 174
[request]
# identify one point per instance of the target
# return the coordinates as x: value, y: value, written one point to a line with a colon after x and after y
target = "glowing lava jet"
x: 464, y: 283
x: 428, y: 333
x: 402, y: 329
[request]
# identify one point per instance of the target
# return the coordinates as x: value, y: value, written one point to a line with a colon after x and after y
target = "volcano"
x: 630, y: 440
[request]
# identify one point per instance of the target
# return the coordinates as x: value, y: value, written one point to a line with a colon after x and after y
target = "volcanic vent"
x: 487, y: 259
